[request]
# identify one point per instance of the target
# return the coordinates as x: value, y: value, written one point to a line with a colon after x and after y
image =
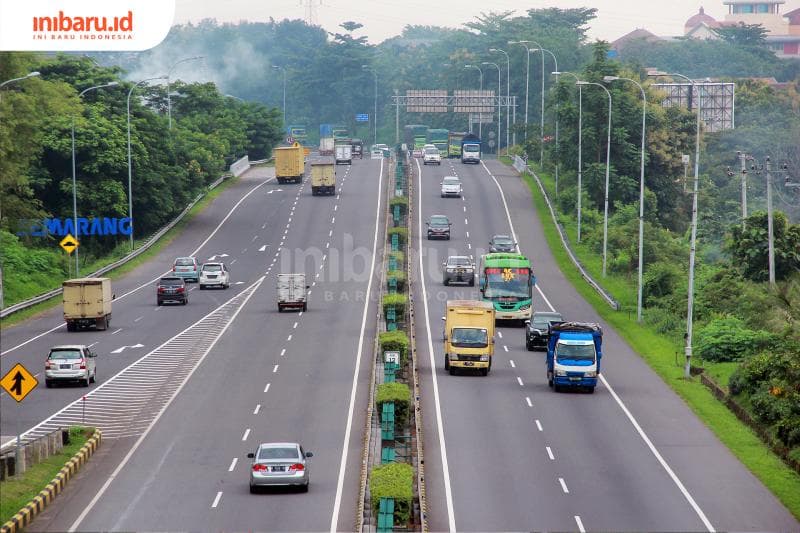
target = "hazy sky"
x: 386, y: 18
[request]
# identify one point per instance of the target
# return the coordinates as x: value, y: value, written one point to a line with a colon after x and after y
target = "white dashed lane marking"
x: 511, y: 361
x: 519, y: 380
x: 530, y: 404
x: 216, y: 500
x: 246, y: 434
x: 539, y: 426
x: 275, y: 369
x: 267, y: 387
x: 257, y: 409
x: 550, y: 453
x: 233, y: 464
x: 563, y: 485
x: 580, y: 524
x: 283, y: 352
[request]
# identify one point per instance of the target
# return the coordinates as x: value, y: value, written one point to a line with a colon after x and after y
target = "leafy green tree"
x: 749, y: 248
x: 743, y: 34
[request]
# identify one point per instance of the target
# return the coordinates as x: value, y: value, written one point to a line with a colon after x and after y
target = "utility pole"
x: 743, y: 162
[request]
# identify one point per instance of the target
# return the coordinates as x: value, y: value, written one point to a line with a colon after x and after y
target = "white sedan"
x: 214, y: 275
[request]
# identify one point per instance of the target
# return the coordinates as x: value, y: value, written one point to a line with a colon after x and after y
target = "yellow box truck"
x: 468, y: 336
x: 289, y: 163
x: 323, y: 176
x: 87, y: 302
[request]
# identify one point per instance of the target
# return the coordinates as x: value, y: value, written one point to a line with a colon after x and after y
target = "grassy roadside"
x: 659, y: 353
x: 130, y: 265
x: 15, y: 492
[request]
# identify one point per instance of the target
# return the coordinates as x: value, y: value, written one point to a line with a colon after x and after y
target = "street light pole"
x: 278, y: 67
x: 495, y: 65
x: 480, y: 115
x: 130, y: 173
x: 508, y: 90
x: 74, y: 182
x: 608, y: 161
x: 580, y: 145
x: 641, y: 192
x: 541, y: 118
x: 25, y: 77
x: 527, y: 77
x: 555, y: 62
x: 375, y: 114
x: 169, y: 73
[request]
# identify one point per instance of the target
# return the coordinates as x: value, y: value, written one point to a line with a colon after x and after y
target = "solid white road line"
x: 539, y: 425
x: 581, y: 529
x: 257, y: 409
x: 519, y: 380
x: 563, y: 485
x: 216, y: 500
x: 343, y: 463
x: 448, y: 492
x: 246, y: 434
x: 550, y: 453
x: 233, y: 464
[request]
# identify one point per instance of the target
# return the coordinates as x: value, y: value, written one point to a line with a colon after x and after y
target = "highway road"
x: 228, y: 371
x: 505, y: 452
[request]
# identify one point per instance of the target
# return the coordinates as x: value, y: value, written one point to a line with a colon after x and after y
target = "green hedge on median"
x: 399, y: 257
x: 400, y: 276
x: 393, y: 480
x: 394, y: 341
x: 398, y: 301
x: 400, y: 394
x: 402, y: 234
x: 402, y: 201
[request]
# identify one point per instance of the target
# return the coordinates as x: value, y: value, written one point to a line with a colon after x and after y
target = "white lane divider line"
x: 519, y: 380
x: 538, y: 425
x: 295, y: 325
x: 288, y: 338
x: 300, y: 314
x: 275, y: 369
x: 512, y: 363
x: 93, y: 344
x: 317, y: 276
x: 505, y: 347
x: 550, y: 453
x: 348, y: 427
x: 327, y: 245
x: 283, y: 352
x: 117, y: 331
x: 263, y: 248
x: 264, y: 226
x: 216, y: 500
x: 500, y: 334
x: 467, y: 235
x: 530, y: 404
x: 233, y: 465
x: 466, y: 222
x: 465, y: 208
x: 246, y: 434
x: 578, y: 521
x: 254, y: 238
x: 232, y: 262
x: 138, y: 319
x: 563, y: 485
x: 257, y: 409
x: 333, y: 220
x: 448, y: 492
x: 330, y: 233
x: 267, y: 387
x: 336, y: 207
x: 469, y: 246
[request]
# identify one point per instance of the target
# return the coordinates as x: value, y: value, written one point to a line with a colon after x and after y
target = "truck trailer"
x: 454, y: 143
x: 574, y: 350
x: 323, y: 176
x: 87, y: 303
x: 289, y: 163
x: 292, y: 292
x: 468, y: 336
x: 440, y: 139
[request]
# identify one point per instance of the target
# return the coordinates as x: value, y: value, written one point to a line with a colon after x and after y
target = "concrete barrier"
x: 240, y: 167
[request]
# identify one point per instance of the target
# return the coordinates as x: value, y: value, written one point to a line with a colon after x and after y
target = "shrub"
x: 397, y: 300
x: 400, y: 394
x: 402, y: 201
x: 399, y: 275
x: 394, y: 341
x: 727, y: 339
x: 399, y: 257
x: 402, y: 235
x: 659, y: 280
x: 393, y: 480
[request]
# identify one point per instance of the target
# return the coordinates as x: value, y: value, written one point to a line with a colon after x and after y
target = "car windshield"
x: 575, y: 352
x: 65, y: 354
x: 503, y: 240
x: 471, y: 148
x: 458, y: 261
x: 432, y: 151
x: 439, y: 221
x: 469, y: 338
x: 212, y: 268
x: 541, y: 322
x: 451, y: 181
x: 278, y: 453
x: 184, y: 261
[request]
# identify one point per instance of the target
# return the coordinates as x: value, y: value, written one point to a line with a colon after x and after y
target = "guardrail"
x: 11, y: 309
x: 521, y: 163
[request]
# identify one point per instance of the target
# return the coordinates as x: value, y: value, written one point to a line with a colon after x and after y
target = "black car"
x: 502, y: 243
x: 536, y: 335
x: 171, y: 289
x: 438, y: 227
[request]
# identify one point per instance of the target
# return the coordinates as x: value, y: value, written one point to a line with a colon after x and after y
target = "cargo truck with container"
x: 323, y: 176
x: 470, y: 149
x: 468, y: 336
x: 289, y: 163
x: 439, y: 138
x: 454, y: 139
x: 292, y: 292
x: 87, y: 303
x: 344, y: 154
x: 574, y: 351
x: 326, y: 142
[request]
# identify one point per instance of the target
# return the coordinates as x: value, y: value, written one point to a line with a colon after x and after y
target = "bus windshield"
x: 507, y: 283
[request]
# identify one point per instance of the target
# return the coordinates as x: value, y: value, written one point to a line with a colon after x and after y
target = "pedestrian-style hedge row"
x: 393, y: 480
x: 396, y: 340
x: 400, y: 394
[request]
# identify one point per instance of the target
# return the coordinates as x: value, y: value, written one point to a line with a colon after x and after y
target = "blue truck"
x: 470, y: 149
x: 574, y: 350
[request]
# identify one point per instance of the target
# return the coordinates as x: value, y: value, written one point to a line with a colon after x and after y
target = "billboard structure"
x: 426, y: 101
x: 717, y: 101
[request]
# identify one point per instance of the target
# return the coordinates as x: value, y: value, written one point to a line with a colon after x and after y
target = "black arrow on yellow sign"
x: 18, y: 382
x: 16, y: 388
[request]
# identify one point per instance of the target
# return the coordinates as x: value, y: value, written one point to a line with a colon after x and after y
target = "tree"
x: 748, y: 246
x: 743, y: 34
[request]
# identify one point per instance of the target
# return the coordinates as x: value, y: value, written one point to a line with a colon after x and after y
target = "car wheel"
x: 305, y: 306
x: 446, y: 282
x: 452, y: 370
x: 202, y: 287
x: 446, y: 363
x: 472, y: 282
x: 253, y: 489
x: 185, y: 301
x: 85, y: 382
x: 158, y: 302
x: 443, y: 196
x: 448, y: 237
x: 304, y: 488
x: 591, y: 390
x: 529, y: 346
x: 70, y: 326
x: 48, y: 383
x: 93, y: 379
x: 484, y: 371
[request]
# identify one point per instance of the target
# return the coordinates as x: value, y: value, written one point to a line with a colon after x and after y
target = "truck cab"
x: 574, y: 351
x: 471, y: 149
x: 468, y: 336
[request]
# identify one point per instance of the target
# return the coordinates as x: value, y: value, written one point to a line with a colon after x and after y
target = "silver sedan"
x: 279, y: 464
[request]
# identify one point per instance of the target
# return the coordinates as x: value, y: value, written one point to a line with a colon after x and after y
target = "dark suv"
x: 438, y: 227
x: 171, y: 289
x: 502, y: 243
x: 536, y: 329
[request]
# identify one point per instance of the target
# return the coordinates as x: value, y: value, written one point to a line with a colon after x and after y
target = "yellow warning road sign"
x: 69, y: 243
x: 19, y: 382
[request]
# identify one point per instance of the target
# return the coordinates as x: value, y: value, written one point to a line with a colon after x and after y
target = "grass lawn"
x: 660, y: 353
x: 118, y: 253
x: 16, y: 492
